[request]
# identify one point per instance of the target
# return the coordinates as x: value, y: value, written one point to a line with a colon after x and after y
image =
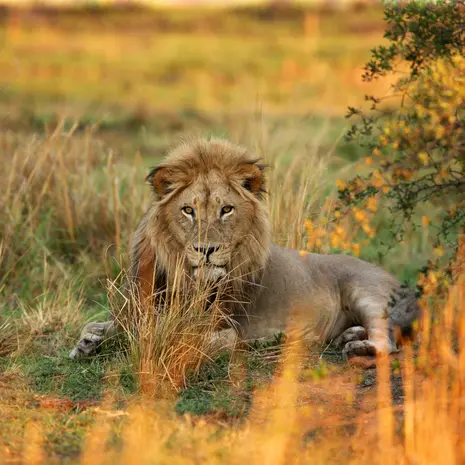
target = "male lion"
x: 208, y: 209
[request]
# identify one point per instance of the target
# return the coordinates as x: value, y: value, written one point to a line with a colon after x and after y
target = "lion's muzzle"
x: 208, y: 262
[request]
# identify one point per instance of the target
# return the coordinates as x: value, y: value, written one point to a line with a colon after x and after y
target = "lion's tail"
x: 403, y: 310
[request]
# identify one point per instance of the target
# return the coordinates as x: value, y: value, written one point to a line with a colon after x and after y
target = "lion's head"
x: 208, y: 209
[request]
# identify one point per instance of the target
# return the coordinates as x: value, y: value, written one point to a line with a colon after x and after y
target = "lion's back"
x: 326, y: 288
x: 348, y: 269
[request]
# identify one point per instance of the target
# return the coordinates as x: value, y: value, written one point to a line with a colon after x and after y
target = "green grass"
x: 60, y: 375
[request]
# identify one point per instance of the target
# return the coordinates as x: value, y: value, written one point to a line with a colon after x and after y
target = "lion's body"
x: 208, y: 215
x: 332, y: 292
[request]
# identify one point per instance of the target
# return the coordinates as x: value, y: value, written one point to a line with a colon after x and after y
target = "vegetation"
x: 94, y: 98
x: 417, y: 149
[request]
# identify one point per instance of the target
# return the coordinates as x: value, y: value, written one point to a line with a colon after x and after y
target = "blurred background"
x: 148, y: 71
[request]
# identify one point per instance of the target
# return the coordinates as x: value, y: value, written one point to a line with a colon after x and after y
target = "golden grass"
x: 61, y: 224
x: 69, y: 179
x: 66, y: 199
x: 428, y: 428
x: 171, y: 341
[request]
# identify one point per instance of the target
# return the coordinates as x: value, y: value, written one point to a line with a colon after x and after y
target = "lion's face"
x: 208, y: 200
x: 210, y: 219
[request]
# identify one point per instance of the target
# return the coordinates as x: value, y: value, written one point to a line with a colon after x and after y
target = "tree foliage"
x: 417, y: 150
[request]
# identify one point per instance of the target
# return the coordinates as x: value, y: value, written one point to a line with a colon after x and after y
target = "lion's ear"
x: 159, y: 179
x: 252, y: 178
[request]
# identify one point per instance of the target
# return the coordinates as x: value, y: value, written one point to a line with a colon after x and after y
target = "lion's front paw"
x: 90, y: 340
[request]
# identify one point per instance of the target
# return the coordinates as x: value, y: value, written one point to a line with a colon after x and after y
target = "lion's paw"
x: 92, y: 337
x: 367, y: 348
x: 359, y: 349
x: 355, y: 333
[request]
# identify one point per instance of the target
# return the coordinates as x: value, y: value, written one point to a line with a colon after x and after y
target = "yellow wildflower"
x: 335, y: 241
x: 377, y: 179
x: 423, y: 157
x: 439, y: 251
x: 359, y: 215
x: 440, y: 132
x: 341, y: 185
x: 366, y: 228
x: 372, y: 204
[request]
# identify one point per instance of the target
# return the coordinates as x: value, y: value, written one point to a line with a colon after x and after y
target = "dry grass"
x: 430, y: 429
x: 70, y: 206
x: 207, y: 60
x: 60, y: 219
x: 11, y: 338
x: 67, y: 199
x: 171, y: 343
x: 71, y: 177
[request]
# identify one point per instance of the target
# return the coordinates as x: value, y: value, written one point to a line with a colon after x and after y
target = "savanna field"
x: 92, y: 97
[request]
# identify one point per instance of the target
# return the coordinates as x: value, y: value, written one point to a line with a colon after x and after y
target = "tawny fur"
x: 208, y: 212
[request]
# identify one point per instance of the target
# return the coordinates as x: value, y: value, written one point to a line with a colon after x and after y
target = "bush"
x: 416, y: 150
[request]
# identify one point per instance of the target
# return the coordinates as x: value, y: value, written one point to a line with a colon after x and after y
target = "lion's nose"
x: 206, y: 250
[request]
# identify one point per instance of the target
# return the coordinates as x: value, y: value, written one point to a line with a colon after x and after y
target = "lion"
x: 208, y: 211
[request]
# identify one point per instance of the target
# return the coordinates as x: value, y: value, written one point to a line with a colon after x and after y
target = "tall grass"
x: 176, y: 60
x: 169, y: 341
x: 427, y: 429
x: 68, y: 208
x: 63, y: 224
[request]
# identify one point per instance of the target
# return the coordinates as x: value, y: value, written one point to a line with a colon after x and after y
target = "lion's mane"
x: 156, y: 253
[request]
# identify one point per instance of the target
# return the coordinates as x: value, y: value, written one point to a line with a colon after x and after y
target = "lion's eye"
x: 188, y: 211
x: 227, y: 209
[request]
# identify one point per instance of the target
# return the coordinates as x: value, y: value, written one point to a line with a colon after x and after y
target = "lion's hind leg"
x: 382, y: 319
x: 91, y: 339
x: 378, y: 329
x: 360, y: 349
